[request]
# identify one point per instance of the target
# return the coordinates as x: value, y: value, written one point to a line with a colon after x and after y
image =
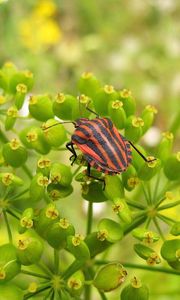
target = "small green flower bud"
x: 114, y: 187
x: 117, y: 113
x: 21, y: 91
x: 148, y: 117
x: 136, y: 291
x: 93, y: 192
x: 29, y: 250
x: 21, y: 77
x: 147, y: 253
x: 88, y: 84
x: 35, y: 139
x: 96, y: 242
x: 149, y: 169
x: 175, y: 230
x: 58, y: 232
x: 37, y: 187
x: 129, y: 178
x: 121, y: 208
x: 165, y: 146
x: 9, y: 266
x: 133, y: 129
x: 75, y: 283
x: 10, y: 179
x: 144, y: 235
x: 47, y: 216
x: 40, y: 107
x: 110, y: 277
x: 78, y: 247
x: 61, y: 174
x: 26, y: 220
x: 3, y: 81
x: 66, y: 107
x: 12, y: 114
x: 55, y: 135
x: 102, y: 99
x: 57, y: 191
x: 114, y: 230
x: 43, y: 166
x: 14, y: 154
x: 172, y: 167
x: 128, y: 101
x: 11, y: 291
x: 170, y: 251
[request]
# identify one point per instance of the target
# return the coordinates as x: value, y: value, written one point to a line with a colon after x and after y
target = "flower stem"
x: 169, y: 205
x: 158, y: 228
x: 56, y: 261
x: 34, y: 274
x: 8, y: 226
x: 166, y: 219
x: 89, y: 217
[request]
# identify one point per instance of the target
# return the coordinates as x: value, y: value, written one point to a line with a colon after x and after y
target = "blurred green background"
x: 131, y: 44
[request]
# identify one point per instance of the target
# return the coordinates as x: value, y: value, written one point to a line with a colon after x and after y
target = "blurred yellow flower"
x: 45, y: 8
x: 39, y: 30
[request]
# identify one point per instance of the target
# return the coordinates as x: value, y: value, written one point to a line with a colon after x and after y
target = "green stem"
x: 149, y: 192
x: 56, y: 261
x: 103, y: 296
x: 156, y: 185
x: 135, y: 204
x: 147, y: 222
x: 76, y: 171
x: 158, y: 228
x: 27, y: 171
x: 159, y: 202
x: 9, y: 211
x: 143, y: 267
x: 145, y: 194
x: 8, y: 226
x: 45, y: 269
x: 166, y: 219
x: 89, y: 217
x: 134, y: 224
x: 169, y: 205
x: 34, y: 274
x: 47, y: 297
x: 19, y: 194
x: 75, y: 266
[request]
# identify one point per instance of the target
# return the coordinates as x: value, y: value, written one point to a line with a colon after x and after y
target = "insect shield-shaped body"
x: 103, y: 147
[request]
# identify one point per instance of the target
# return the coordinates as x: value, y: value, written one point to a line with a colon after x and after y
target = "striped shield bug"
x: 101, y: 144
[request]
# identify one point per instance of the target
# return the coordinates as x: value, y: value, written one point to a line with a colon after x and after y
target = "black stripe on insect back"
x: 111, y: 139
x: 100, y: 137
x: 120, y: 142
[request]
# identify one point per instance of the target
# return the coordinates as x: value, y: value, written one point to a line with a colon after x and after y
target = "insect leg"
x: 146, y: 160
x: 92, y: 111
x: 89, y: 175
x: 70, y: 147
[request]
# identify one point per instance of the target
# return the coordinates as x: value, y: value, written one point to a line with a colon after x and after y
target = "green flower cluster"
x: 30, y: 194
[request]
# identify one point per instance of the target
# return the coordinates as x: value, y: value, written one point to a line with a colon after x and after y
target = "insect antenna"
x: 145, y: 159
x: 59, y: 123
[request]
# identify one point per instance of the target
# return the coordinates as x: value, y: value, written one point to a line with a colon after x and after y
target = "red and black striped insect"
x: 103, y: 147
